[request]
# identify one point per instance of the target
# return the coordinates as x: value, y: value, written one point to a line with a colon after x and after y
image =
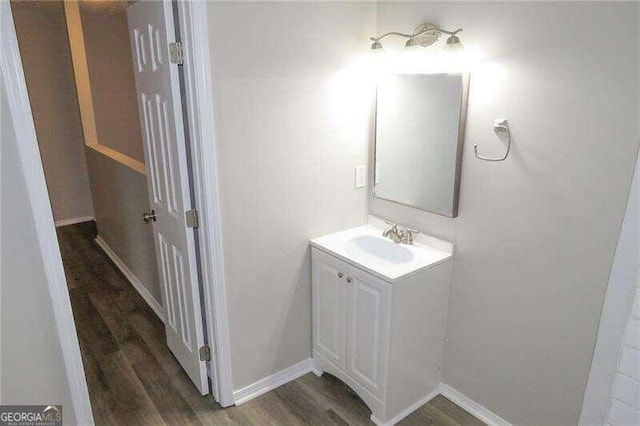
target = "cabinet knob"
x: 349, y: 280
x: 340, y: 275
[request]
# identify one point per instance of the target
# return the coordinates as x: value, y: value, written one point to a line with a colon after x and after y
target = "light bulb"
x: 376, y: 47
x: 412, y: 44
x: 453, y: 44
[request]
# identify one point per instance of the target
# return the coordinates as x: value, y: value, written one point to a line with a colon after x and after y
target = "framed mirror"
x: 420, y: 120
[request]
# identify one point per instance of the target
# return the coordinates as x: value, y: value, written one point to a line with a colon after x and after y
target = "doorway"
x: 114, y: 173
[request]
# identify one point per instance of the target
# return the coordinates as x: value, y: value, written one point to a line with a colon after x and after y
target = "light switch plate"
x: 361, y: 176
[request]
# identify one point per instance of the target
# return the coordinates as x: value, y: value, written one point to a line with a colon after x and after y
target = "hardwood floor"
x: 134, y: 379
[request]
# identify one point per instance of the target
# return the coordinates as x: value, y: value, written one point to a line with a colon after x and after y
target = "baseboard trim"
x: 275, y: 380
x: 413, y: 407
x: 472, y: 407
x: 135, y: 282
x: 469, y: 405
x: 73, y: 221
x: 300, y: 369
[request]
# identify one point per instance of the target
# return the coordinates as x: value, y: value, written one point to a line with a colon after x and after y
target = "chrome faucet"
x: 396, y: 235
x: 393, y: 233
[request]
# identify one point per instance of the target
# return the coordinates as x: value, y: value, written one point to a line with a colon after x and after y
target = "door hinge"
x: 192, y: 218
x: 175, y: 53
x: 205, y: 353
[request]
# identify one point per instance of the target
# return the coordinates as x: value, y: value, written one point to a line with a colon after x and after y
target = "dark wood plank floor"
x: 134, y: 379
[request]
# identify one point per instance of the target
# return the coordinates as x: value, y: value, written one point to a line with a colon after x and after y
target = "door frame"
x: 31, y: 163
x: 194, y: 34
x: 198, y: 96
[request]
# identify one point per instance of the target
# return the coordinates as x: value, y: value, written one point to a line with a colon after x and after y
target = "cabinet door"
x: 329, y: 306
x: 369, y: 322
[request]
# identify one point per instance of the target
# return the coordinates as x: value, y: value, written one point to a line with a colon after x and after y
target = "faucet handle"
x: 407, y: 235
x: 393, y: 225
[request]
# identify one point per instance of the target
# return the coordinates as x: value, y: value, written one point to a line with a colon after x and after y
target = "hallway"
x: 134, y: 379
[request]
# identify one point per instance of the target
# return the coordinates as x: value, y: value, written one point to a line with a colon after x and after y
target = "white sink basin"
x: 366, y: 248
x: 381, y: 249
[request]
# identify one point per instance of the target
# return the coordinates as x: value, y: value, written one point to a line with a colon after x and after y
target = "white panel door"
x: 329, y: 306
x: 151, y: 28
x: 369, y: 322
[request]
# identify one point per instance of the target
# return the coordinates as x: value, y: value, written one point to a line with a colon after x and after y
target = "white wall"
x: 290, y: 127
x: 536, y: 234
x: 47, y: 65
x: 32, y: 369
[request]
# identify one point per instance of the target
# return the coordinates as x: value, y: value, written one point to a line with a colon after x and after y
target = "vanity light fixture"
x: 424, y: 35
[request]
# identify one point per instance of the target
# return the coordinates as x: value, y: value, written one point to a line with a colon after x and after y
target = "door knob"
x: 148, y: 217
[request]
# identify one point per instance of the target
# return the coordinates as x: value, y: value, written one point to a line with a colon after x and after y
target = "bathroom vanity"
x: 379, y: 316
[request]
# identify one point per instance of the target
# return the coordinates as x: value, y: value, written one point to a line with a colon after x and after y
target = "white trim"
x: 413, y: 407
x: 472, y: 407
x: 135, y: 282
x: 20, y: 108
x: 117, y: 156
x: 200, y: 117
x: 275, y: 380
x: 73, y: 221
x: 292, y: 373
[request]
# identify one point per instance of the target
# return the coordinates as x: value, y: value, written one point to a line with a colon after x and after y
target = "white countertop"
x: 366, y: 248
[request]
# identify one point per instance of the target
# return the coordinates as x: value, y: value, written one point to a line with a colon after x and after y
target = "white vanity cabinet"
x: 368, y: 317
x: 381, y: 335
x: 351, y: 313
x: 329, y: 298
